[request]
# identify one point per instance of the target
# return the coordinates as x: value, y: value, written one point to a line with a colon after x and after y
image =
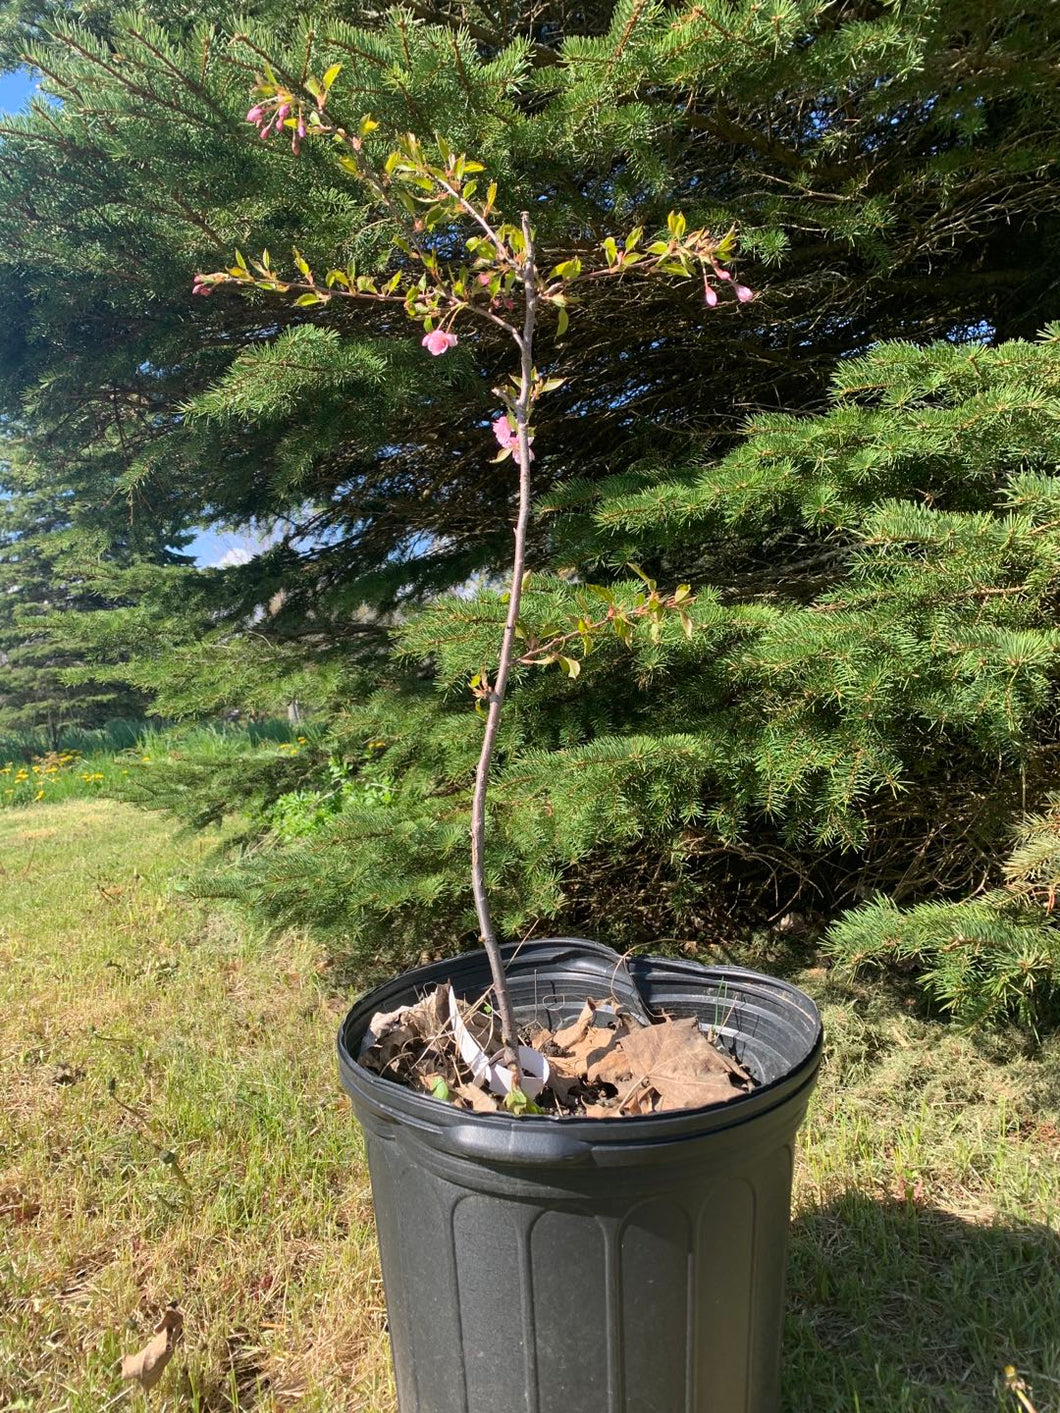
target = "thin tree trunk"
x: 509, y: 1031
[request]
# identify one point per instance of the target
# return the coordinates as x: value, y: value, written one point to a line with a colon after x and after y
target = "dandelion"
x: 39, y: 795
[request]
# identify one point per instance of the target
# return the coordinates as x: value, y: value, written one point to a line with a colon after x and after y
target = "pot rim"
x: 388, y: 1099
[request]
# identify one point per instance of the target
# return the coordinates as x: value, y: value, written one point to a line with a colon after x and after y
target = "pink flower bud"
x: 743, y: 294
x: 281, y: 113
x: 301, y: 127
x: 439, y: 341
x: 255, y: 114
x: 710, y: 295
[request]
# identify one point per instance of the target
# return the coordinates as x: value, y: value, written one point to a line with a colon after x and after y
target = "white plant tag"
x: 492, y: 1072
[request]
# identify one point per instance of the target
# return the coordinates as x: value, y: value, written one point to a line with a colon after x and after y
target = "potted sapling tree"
x: 581, y: 1165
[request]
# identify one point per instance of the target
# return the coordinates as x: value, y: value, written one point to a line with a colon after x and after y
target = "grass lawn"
x: 171, y: 1128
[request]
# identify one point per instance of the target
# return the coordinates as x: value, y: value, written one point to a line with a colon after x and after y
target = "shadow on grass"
x: 897, y: 1307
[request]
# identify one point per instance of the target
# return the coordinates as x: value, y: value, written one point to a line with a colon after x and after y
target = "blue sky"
x: 208, y: 547
x: 15, y: 90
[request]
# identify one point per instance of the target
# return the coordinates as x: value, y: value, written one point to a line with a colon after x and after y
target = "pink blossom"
x: 439, y: 341
x: 508, y: 438
x: 256, y: 114
x: 301, y: 126
x: 710, y: 295
x: 200, y: 286
x: 743, y: 294
x: 502, y: 430
x: 484, y: 278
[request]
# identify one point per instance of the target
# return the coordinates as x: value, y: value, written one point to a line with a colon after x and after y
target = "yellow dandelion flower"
x: 39, y: 795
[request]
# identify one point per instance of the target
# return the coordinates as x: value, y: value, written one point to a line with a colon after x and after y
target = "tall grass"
x: 96, y: 762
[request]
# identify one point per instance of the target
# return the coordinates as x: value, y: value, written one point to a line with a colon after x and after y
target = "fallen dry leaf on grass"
x: 149, y: 1364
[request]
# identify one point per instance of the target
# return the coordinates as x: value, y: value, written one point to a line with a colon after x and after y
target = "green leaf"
x: 676, y: 223
x: 567, y: 269
x: 301, y: 262
x: 440, y: 1090
x: 601, y: 592
x: 304, y: 300
x: 516, y: 1102
x: 571, y: 666
x: 331, y: 75
x: 682, y: 592
x: 562, y: 322
x: 611, y: 250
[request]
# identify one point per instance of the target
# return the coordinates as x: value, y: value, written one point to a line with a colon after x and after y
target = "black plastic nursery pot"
x: 627, y: 1265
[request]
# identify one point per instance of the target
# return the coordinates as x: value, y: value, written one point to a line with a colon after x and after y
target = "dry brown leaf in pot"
x: 148, y: 1365
x: 573, y: 1034
x: 681, y: 1064
x: 476, y: 1099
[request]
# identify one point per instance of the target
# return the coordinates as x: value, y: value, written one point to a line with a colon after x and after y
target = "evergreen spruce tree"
x: 49, y: 570
x: 890, y: 175
x: 863, y: 696
x: 871, y: 644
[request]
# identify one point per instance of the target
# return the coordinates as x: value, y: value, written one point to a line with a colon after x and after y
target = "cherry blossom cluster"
x: 272, y: 115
